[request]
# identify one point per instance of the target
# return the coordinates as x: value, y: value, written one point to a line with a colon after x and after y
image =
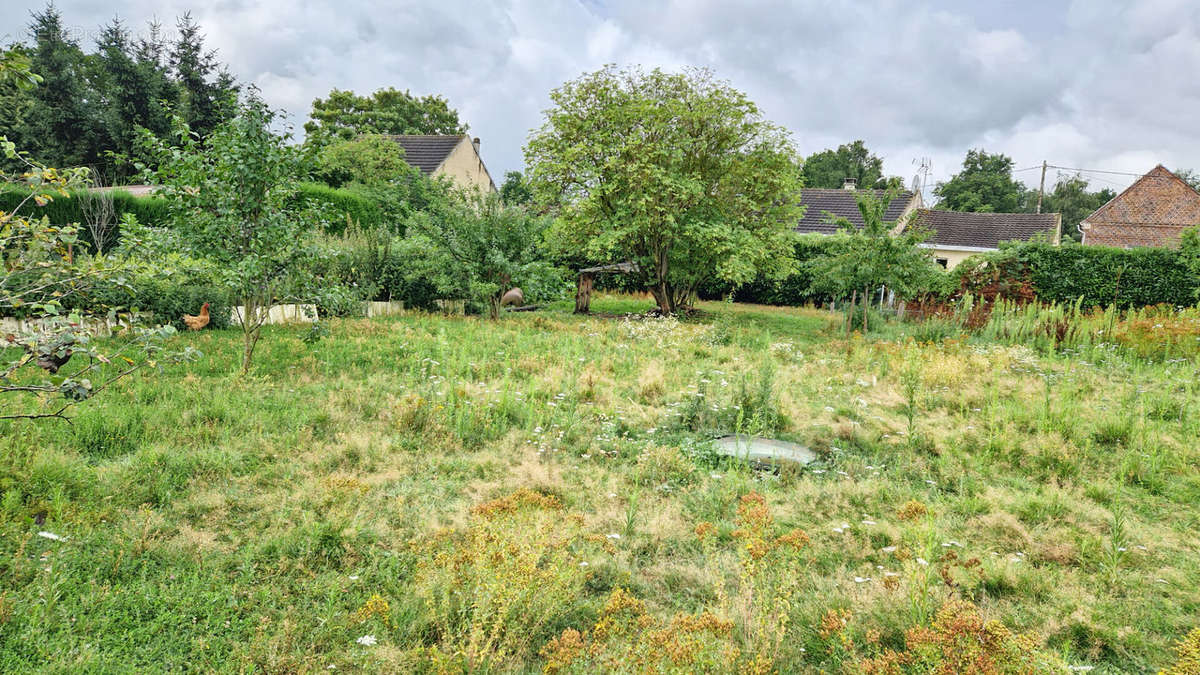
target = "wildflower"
x: 367, y: 640
x: 353, y: 577
x: 861, y: 580
x: 868, y: 522
x: 888, y: 549
x: 52, y: 536
x: 922, y: 561
x: 613, y: 535
x: 912, y: 510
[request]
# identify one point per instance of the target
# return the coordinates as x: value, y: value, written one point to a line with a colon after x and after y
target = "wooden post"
x: 1041, y: 188
x: 583, y: 292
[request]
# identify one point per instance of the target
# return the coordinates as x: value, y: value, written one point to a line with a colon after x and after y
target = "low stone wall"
x: 93, y: 326
x: 372, y: 308
x: 279, y: 314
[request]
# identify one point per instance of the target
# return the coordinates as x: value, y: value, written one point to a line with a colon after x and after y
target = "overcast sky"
x: 1097, y: 84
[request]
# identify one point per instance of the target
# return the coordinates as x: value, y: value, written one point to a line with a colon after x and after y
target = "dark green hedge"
x: 65, y: 210
x: 342, y: 203
x: 1103, y: 276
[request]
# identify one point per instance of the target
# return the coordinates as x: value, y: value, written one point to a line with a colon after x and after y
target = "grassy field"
x: 422, y: 493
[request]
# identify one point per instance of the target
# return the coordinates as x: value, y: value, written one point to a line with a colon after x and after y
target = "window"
x: 944, y: 262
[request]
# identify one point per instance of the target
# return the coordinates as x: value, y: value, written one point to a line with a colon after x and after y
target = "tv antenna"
x: 921, y: 179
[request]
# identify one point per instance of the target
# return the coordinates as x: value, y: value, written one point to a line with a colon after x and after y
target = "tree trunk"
x: 664, y: 298
x: 494, y: 307
x: 866, y: 307
x: 251, y: 330
x: 249, y: 340
x: 850, y: 316
x: 583, y: 293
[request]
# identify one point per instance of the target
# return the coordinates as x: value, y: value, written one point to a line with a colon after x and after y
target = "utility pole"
x: 1041, y: 188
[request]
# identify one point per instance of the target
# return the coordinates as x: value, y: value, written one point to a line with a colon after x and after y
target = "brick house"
x: 1151, y: 212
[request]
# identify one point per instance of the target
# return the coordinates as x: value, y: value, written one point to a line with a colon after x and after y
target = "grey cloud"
x: 1097, y: 83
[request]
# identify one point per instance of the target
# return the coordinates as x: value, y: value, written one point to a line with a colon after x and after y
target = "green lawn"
x: 217, y: 523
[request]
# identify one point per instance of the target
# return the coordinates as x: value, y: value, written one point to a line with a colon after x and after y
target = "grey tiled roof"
x: 984, y: 230
x: 427, y: 152
x: 823, y: 206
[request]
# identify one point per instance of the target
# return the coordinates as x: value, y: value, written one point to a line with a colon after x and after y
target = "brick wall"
x: 1153, y: 211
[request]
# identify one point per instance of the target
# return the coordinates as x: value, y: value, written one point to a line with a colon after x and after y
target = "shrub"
x: 364, y: 263
x: 502, y: 585
x: 627, y: 639
x: 1187, y: 655
x: 959, y: 640
x: 180, y: 286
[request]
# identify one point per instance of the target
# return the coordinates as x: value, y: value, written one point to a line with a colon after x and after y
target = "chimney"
x: 475, y: 142
x: 850, y: 184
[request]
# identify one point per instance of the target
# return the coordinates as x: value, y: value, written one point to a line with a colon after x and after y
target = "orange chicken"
x: 197, y: 322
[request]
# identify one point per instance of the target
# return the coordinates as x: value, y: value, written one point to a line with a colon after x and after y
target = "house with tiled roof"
x: 957, y: 235
x: 454, y: 156
x: 825, y: 208
x: 1154, y: 211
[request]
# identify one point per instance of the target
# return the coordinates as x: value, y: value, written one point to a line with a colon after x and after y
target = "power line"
x: 1116, y: 173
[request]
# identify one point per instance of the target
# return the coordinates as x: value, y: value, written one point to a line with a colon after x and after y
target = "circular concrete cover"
x: 762, y: 450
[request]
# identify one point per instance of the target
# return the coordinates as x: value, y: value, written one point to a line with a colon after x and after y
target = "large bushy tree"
x: 481, y: 247
x: 830, y: 168
x: 233, y: 200
x: 515, y: 189
x: 677, y: 172
x: 344, y: 114
x: 984, y: 185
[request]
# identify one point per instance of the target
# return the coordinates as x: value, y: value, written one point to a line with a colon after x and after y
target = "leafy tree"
x: 53, y: 361
x: 985, y: 185
x: 1071, y: 198
x: 482, y: 247
x: 387, y: 111
x: 515, y: 190
x: 829, y: 168
x: 233, y: 201
x: 370, y: 159
x: 863, y: 259
x: 373, y: 166
x: 677, y: 172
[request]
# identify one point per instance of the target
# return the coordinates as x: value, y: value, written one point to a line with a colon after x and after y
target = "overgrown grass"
x: 539, y: 493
